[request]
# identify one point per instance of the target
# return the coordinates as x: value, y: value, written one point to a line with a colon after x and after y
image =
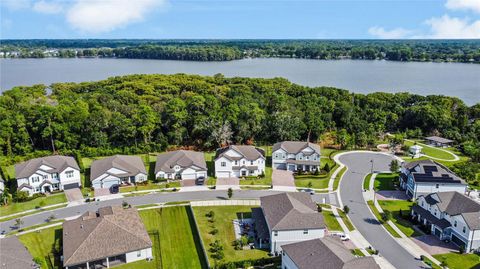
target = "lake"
x: 454, y: 79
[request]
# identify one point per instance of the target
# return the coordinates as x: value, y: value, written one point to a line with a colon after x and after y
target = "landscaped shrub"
x: 251, y: 262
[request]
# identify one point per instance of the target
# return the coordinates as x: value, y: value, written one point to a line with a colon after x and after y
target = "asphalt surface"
x: 72, y: 211
x: 351, y: 194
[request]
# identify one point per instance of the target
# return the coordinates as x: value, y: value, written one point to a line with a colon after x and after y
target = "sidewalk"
x: 34, y: 211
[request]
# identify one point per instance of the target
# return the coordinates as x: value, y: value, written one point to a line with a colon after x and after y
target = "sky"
x: 240, y: 19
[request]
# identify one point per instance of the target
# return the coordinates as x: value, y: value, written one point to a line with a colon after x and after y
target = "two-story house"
x: 181, y: 164
x: 296, y: 155
x: 426, y: 176
x: 450, y: 215
x: 117, y: 170
x: 239, y: 161
x: 287, y: 218
x: 47, y: 174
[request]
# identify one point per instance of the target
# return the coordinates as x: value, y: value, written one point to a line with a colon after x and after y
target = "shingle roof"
x: 133, y: 165
x: 112, y: 232
x: 295, y: 147
x: 183, y: 158
x: 433, y: 172
x: 14, y: 255
x: 326, y: 253
x: 439, y: 139
x: 455, y: 203
x: 291, y: 211
x: 442, y: 223
x: 57, y: 162
x: 250, y: 153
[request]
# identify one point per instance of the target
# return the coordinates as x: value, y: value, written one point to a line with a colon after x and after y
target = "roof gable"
x: 295, y: 147
x: 183, y: 158
x: 132, y: 165
x: 56, y: 163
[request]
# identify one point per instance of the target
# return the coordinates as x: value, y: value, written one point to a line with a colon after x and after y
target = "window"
x: 236, y: 162
x: 36, y: 179
x: 37, y: 189
x: 276, y: 155
x: 306, y: 158
x: 251, y: 162
x: 162, y: 176
x: 305, y: 231
x: 435, y: 213
x: 55, y: 175
x: 464, y: 230
x: 455, y: 224
x: 223, y: 164
x: 69, y: 174
x: 139, y: 253
x: 437, y: 185
x: 243, y: 162
x: 45, y: 176
x: 275, y: 233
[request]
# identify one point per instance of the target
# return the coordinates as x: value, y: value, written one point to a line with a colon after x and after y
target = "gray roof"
x: 133, y: 165
x: 250, y: 153
x: 442, y: 223
x: 295, y: 147
x: 110, y: 232
x: 439, y: 139
x: 326, y: 253
x: 14, y: 255
x: 57, y: 162
x: 455, y: 203
x: 183, y: 158
x: 291, y: 211
x: 432, y: 172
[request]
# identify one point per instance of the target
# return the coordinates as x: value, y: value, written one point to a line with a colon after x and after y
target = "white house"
x: 181, y: 164
x: 47, y: 174
x: 415, y: 151
x: 239, y: 161
x: 450, y: 215
x: 323, y: 253
x: 109, y: 237
x: 117, y: 170
x: 426, y: 176
x: 287, y: 218
x: 296, y: 155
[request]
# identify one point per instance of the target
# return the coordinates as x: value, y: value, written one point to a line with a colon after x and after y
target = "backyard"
x: 40, y: 244
x: 223, y: 223
x: 432, y: 151
x: 32, y: 204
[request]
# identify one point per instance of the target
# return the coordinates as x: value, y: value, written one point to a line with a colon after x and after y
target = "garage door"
x: 291, y: 167
x: 281, y: 166
x: 189, y: 176
x: 70, y: 186
x: 223, y: 174
x: 108, y: 184
x: 457, y: 241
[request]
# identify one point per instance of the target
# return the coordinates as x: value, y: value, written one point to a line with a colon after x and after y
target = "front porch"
x: 102, y: 263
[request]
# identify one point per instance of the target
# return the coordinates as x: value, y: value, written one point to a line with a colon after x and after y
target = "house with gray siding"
x: 181, y: 164
x: 117, y: 170
x: 450, y: 216
x: 296, y: 155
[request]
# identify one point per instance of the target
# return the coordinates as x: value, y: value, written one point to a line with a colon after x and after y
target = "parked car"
x: 312, y: 192
x: 114, y: 189
x: 200, y: 181
x: 345, y: 237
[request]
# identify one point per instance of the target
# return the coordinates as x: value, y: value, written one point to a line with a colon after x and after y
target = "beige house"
x: 181, y: 164
x: 117, y: 170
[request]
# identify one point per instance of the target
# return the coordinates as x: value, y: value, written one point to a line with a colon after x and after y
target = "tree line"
x: 225, y: 50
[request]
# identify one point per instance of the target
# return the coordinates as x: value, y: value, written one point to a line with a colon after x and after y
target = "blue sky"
x: 161, y: 19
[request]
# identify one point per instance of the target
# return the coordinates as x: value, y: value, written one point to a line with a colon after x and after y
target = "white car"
x: 345, y: 237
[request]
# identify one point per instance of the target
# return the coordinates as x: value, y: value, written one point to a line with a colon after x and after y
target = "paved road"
x: 145, y: 199
x: 351, y: 195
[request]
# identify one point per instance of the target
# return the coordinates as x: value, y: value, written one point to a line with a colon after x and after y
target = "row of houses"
x: 53, y: 173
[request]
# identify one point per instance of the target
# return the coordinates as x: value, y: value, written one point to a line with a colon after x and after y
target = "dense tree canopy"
x: 224, y: 50
x: 140, y: 113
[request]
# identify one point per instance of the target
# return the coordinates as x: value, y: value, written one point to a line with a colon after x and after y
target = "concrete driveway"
x: 391, y: 195
x: 351, y: 194
x: 228, y: 182
x: 73, y: 194
x: 190, y: 185
x: 283, y: 180
x: 433, y: 245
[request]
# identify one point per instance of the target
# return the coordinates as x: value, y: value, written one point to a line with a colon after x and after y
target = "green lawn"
x: 331, y: 221
x: 346, y: 220
x: 432, y: 151
x: 40, y: 244
x: 379, y: 218
x: 315, y: 182
x: 336, y: 182
x: 224, y: 215
x: 357, y: 252
x: 385, y: 182
x: 366, y: 182
x: 150, y: 186
x: 38, y: 202
x: 460, y: 261
x: 394, y: 207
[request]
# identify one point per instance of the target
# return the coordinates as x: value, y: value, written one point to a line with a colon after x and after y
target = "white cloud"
x: 396, y: 33
x: 96, y: 16
x: 473, y: 5
x: 450, y: 27
x: 47, y: 7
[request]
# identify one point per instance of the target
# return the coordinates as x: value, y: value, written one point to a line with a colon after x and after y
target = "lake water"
x: 454, y: 79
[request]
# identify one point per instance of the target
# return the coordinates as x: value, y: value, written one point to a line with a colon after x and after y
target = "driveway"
x: 228, y: 182
x: 102, y: 192
x: 283, y: 180
x: 351, y: 194
x: 74, y: 194
x: 433, y: 245
x: 391, y: 195
x: 190, y: 185
x: 153, y: 198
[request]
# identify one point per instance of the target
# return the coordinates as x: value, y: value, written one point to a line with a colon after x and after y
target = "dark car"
x: 114, y: 189
x: 200, y: 181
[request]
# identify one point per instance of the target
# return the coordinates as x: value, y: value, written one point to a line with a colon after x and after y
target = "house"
x: 287, y: 218
x: 426, y: 176
x: 117, y: 170
x: 14, y: 255
x: 109, y: 237
x: 450, y: 215
x: 438, y: 141
x: 181, y: 164
x: 239, y: 161
x: 296, y: 155
x: 415, y: 151
x: 323, y: 253
x: 47, y: 174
